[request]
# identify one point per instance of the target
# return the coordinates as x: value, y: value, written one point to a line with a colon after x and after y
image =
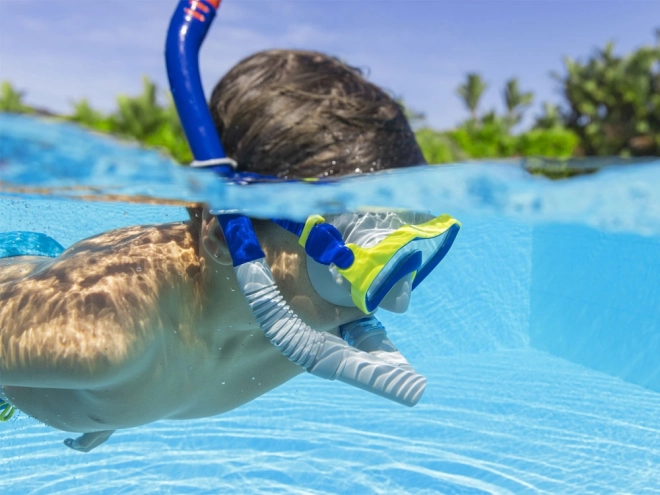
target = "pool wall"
x: 481, y: 302
x: 595, y: 300
x: 587, y: 296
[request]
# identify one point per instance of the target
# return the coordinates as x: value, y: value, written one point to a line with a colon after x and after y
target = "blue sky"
x: 58, y: 51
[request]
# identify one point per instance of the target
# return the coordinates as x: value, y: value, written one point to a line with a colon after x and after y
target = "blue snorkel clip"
x: 370, y: 362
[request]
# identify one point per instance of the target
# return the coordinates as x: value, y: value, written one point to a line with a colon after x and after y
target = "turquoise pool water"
x: 539, y: 335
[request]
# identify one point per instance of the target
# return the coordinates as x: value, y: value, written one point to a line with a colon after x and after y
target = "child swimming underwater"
x: 149, y: 322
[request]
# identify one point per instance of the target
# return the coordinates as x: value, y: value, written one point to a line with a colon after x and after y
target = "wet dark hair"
x: 298, y: 114
x: 301, y: 114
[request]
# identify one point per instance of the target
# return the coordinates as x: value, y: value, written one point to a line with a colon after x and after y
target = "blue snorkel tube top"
x: 190, y: 23
x: 370, y: 361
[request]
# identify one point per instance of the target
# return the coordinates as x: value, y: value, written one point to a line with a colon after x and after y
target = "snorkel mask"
x: 366, y: 259
x: 389, y: 254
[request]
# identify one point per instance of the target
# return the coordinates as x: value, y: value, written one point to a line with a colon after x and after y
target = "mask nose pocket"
x: 398, y: 298
x: 403, y: 267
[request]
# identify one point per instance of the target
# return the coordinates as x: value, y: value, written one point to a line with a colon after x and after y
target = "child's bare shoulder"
x: 131, y: 251
x: 103, y: 295
x: 132, y: 254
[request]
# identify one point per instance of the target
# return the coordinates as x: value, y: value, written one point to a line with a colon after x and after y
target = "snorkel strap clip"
x: 322, y: 241
x: 213, y: 162
x: 325, y: 245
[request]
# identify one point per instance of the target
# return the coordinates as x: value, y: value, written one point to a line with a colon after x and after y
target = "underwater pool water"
x: 539, y: 335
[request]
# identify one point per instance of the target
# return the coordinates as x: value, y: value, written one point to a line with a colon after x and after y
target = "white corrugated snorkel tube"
x: 384, y: 372
x: 394, y: 258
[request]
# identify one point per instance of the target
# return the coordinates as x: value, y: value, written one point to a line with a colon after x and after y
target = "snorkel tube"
x: 370, y: 361
x: 190, y: 23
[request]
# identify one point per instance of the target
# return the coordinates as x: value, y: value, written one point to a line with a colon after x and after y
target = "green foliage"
x: 550, y: 119
x: 11, y: 100
x: 614, y: 102
x: 471, y: 92
x: 489, y: 139
x: 85, y: 115
x: 515, y: 101
x: 169, y: 134
x: 555, y: 142
x: 438, y: 147
x: 613, y: 108
x: 142, y: 118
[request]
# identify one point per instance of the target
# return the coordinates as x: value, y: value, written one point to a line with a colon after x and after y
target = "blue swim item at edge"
x: 28, y: 244
x: 6, y: 410
x: 24, y: 244
x: 371, y: 362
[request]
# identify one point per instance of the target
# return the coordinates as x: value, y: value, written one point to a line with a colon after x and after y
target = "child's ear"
x: 213, y: 240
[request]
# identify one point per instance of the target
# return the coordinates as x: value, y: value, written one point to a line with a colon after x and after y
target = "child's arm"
x: 88, y: 441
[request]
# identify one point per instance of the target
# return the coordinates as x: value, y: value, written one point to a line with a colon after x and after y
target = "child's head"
x: 297, y: 114
x: 300, y: 114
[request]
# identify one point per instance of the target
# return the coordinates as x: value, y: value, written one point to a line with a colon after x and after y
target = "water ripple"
x: 498, y: 423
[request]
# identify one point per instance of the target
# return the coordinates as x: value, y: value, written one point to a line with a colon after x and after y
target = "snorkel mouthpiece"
x: 372, y: 363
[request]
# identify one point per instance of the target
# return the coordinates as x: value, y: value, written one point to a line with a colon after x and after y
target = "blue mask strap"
x: 324, y: 243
